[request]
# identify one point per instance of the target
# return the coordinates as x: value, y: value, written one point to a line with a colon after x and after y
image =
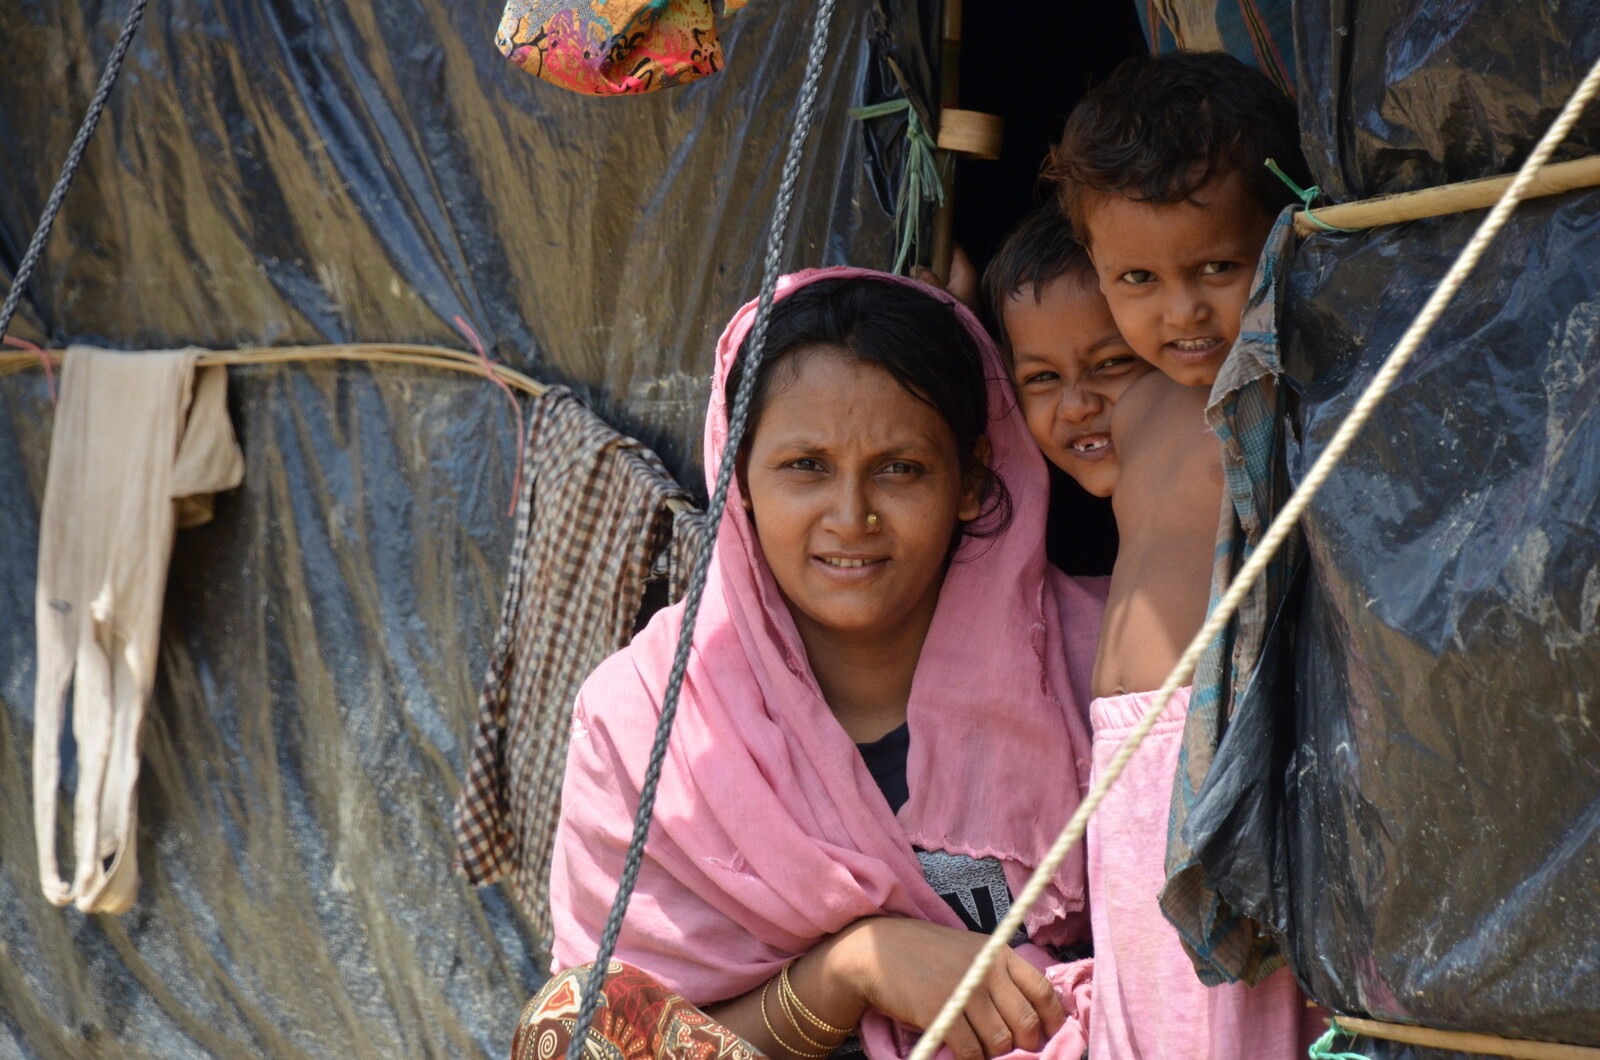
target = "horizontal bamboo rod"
x: 1463, y: 1042
x: 368, y: 352
x: 1447, y: 198
x: 372, y: 352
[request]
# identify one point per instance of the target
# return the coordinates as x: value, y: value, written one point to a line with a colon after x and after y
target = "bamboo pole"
x: 359, y: 352
x: 1447, y: 198
x: 362, y: 352
x: 1463, y: 1042
x: 944, y: 218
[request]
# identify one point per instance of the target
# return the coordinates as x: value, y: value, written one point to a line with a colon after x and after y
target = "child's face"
x: 1070, y: 364
x: 1177, y: 275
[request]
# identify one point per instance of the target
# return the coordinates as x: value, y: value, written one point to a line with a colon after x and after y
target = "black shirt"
x: 886, y: 761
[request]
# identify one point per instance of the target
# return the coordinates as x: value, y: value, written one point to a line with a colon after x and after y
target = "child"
x: 1087, y: 402
x: 1159, y: 164
x: 1068, y: 361
x: 1163, y: 171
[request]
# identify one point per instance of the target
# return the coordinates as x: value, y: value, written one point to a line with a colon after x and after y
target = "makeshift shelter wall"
x: 1440, y: 788
x: 306, y: 172
x: 298, y: 172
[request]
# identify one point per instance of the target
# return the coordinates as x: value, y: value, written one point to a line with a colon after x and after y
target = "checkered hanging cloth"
x: 591, y: 521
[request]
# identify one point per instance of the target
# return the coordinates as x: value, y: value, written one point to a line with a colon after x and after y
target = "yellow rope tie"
x: 1270, y: 541
x: 365, y: 352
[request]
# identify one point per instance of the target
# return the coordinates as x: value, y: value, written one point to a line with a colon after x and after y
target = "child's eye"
x: 1137, y: 276
x: 1040, y: 378
x: 1115, y: 365
x: 1217, y: 268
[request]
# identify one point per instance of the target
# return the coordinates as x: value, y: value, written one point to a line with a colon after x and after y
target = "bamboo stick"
x: 1447, y: 198
x: 1463, y: 1042
x: 368, y: 352
x: 361, y: 352
x: 944, y: 218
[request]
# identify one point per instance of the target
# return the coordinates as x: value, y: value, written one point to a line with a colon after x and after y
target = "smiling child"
x: 1163, y: 171
x: 1162, y: 168
x: 1068, y: 361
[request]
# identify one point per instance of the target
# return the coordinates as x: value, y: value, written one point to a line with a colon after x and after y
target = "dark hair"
x: 1037, y: 251
x: 1161, y: 127
x: 915, y: 337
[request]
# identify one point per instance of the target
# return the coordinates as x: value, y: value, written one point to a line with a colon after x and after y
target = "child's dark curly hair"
x: 1040, y: 250
x: 1161, y: 127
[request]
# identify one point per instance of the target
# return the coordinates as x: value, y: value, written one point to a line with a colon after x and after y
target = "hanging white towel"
x: 140, y: 442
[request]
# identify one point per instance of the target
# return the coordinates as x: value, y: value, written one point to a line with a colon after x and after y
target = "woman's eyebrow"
x: 808, y: 446
x: 802, y: 446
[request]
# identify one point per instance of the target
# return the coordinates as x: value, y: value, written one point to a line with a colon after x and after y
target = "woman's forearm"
x: 805, y: 1014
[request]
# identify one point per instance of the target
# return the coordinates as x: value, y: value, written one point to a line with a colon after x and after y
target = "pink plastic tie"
x: 44, y: 359
x: 516, y: 406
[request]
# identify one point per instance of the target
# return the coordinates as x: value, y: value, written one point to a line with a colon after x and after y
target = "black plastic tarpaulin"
x: 300, y: 172
x: 297, y: 172
x: 1441, y: 770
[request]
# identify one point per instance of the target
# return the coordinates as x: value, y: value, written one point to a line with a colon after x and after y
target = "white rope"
x: 1270, y: 542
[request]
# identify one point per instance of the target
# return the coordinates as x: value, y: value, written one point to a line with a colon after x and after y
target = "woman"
x: 882, y: 726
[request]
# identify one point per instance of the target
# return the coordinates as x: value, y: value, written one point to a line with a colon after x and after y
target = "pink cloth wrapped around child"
x: 1149, y: 1005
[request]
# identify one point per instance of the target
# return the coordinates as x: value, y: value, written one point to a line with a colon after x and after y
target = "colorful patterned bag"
x: 613, y: 47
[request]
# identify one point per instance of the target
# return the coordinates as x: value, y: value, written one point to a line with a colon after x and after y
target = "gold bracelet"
x: 774, y: 1031
x: 786, y: 989
x: 794, y: 1021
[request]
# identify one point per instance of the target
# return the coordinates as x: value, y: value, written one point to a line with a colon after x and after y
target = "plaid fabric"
x: 590, y: 522
x: 688, y: 533
x: 1244, y: 413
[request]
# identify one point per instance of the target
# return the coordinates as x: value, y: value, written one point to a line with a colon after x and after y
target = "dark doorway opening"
x: 1030, y: 62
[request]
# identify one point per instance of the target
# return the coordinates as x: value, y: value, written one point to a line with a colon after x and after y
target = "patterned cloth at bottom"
x: 637, y: 1019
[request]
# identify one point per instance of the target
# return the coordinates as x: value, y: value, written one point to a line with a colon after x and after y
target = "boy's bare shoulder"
x: 1155, y: 408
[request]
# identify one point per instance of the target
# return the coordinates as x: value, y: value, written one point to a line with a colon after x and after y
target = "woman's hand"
x: 906, y: 968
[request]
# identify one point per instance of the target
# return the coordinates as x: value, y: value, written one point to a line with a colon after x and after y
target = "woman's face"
x: 838, y: 441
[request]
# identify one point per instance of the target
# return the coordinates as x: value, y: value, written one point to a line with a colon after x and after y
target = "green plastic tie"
x: 920, y: 181
x: 1306, y: 196
x: 1322, y: 1048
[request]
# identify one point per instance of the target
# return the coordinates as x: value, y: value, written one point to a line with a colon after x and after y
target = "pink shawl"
x: 769, y: 832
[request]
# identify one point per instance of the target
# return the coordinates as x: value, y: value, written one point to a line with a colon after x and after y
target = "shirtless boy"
x: 1162, y: 170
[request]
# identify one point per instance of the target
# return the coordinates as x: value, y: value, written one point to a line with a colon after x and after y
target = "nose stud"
x: 874, y: 524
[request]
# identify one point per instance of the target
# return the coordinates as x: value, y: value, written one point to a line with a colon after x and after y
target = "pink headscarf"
x: 769, y: 832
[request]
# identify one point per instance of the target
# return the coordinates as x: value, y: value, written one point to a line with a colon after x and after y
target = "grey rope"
x: 52, y: 206
x: 815, y: 57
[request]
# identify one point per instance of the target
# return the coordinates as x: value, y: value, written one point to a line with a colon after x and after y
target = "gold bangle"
x: 786, y: 989
x: 794, y: 1021
x: 774, y: 1031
